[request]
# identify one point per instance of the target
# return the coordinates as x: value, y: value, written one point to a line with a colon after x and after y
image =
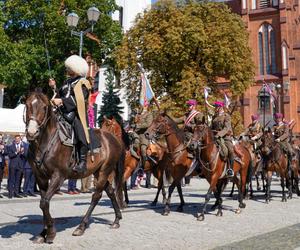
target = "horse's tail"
x: 119, y: 178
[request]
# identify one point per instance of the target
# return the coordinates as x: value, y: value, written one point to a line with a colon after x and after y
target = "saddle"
x: 67, y: 135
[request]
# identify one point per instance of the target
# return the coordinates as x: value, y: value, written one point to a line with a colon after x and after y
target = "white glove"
x: 254, y: 138
x: 277, y: 140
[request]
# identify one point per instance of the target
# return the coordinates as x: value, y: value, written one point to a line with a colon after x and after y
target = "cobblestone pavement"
x: 259, y: 226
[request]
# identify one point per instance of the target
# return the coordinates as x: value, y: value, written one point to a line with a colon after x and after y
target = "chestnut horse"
x: 276, y: 161
x: 131, y: 163
x: 164, y: 126
x: 213, y: 168
x: 157, y: 151
x: 52, y: 163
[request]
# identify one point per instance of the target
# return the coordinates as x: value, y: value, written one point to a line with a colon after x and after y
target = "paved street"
x: 259, y: 226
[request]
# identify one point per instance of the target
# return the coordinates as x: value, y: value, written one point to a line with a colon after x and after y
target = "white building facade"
x: 127, y: 14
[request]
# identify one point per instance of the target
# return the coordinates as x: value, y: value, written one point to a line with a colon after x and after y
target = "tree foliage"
x: 27, y: 27
x: 111, y: 102
x: 184, y: 47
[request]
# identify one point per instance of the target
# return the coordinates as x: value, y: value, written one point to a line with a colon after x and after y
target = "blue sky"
x: 153, y: 1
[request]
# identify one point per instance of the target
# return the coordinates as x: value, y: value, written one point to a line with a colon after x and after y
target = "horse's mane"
x: 174, y: 127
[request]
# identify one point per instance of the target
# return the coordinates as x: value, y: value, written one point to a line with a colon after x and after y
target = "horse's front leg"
x: 200, y: 217
x: 43, y: 186
x: 268, y: 186
x: 180, y: 207
x: 159, y: 188
x: 55, y: 182
x: 168, y: 202
x: 282, y: 178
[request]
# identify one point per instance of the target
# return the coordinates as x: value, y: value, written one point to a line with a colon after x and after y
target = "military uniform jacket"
x: 191, y: 124
x: 254, y: 129
x: 222, y: 125
x: 281, y: 131
x: 144, y: 122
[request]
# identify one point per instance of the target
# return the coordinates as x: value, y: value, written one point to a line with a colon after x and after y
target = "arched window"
x: 261, y: 53
x: 284, y: 57
x: 267, y: 50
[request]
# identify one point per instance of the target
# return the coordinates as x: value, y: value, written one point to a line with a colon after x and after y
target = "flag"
x: 206, y: 93
x: 147, y: 93
x: 273, y: 97
x: 227, y: 101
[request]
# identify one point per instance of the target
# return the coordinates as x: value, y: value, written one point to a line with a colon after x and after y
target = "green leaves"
x: 24, y: 27
x: 185, y: 47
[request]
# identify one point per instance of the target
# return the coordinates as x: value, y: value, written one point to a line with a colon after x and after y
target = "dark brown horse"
x: 275, y: 161
x: 164, y: 126
x: 214, y: 168
x: 52, y: 162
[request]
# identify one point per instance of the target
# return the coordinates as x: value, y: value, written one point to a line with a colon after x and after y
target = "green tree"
x: 111, y: 102
x: 185, y: 47
x: 27, y: 24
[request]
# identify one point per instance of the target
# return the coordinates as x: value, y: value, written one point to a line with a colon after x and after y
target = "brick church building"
x: 274, y: 36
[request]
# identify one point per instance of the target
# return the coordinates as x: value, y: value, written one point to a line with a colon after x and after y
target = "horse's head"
x: 267, y: 143
x: 37, y: 112
x: 199, y: 136
x: 159, y: 127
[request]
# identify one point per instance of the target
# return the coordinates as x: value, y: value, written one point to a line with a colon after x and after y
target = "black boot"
x: 230, y: 172
x: 81, y: 166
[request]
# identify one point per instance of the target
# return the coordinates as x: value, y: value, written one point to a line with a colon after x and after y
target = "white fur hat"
x: 77, y: 65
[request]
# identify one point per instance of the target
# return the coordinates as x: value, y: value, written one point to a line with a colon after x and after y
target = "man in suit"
x: 16, y: 156
x: 29, y: 180
x: 2, y: 160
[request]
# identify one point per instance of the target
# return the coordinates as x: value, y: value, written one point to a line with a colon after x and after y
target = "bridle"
x: 33, y: 118
x: 158, y: 134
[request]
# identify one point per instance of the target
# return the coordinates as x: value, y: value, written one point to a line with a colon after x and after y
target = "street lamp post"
x: 72, y: 20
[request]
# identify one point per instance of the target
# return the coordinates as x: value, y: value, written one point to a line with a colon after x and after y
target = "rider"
x: 191, y: 118
x: 142, y: 124
x: 72, y: 100
x: 254, y: 132
x: 221, y: 125
x: 281, y: 132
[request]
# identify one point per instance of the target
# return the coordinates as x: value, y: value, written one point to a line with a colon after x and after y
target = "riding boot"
x: 230, y: 172
x: 81, y: 166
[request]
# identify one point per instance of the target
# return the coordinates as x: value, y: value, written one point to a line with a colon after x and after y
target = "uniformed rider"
x: 254, y: 132
x: 221, y: 126
x: 281, y: 132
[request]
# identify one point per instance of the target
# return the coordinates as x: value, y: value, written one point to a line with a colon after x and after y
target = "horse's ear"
x: 203, y: 119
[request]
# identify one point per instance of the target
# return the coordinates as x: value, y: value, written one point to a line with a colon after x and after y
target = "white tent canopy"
x: 11, y: 120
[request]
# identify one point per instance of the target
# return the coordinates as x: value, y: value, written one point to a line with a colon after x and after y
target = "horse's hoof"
x: 200, y: 217
x: 39, y: 240
x: 242, y: 205
x: 125, y: 205
x: 49, y: 240
x: 166, y: 212
x: 238, y: 211
x: 284, y: 199
x: 153, y: 204
x: 258, y: 188
x: 78, y: 232
x: 219, y: 213
x: 115, y: 226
